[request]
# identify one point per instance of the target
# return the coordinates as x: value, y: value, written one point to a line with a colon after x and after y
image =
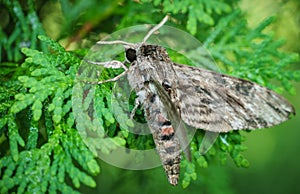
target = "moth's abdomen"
x: 167, y: 143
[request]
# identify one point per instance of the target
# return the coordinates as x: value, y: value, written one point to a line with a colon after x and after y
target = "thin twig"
x: 136, y: 105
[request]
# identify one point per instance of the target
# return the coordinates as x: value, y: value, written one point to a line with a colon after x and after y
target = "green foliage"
x: 25, y: 28
x: 41, y: 148
x: 196, y: 11
x: 51, y: 149
x: 252, y: 54
x: 76, y: 13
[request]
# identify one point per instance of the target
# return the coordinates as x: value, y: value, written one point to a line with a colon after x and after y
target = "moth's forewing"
x: 221, y: 103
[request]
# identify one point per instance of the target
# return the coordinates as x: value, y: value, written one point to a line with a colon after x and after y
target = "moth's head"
x: 133, y: 51
x: 146, y: 50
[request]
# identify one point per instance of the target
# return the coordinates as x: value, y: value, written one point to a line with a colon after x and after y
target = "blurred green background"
x: 274, y: 153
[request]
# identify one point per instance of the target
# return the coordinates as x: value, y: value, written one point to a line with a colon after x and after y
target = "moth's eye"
x: 131, y: 54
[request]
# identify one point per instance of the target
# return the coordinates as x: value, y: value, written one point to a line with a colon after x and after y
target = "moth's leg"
x: 110, y: 64
x: 138, y: 101
x: 223, y: 139
x: 136, y: 105
x: 114, y: 64
x: 109, y: 80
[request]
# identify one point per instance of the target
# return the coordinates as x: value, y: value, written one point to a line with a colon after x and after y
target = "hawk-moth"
x: 175, y: 97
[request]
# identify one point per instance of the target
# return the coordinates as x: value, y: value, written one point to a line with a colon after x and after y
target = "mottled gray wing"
x: 220, y: 103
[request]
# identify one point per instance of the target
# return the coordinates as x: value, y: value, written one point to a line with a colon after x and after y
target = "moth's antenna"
x: 156, y: 28
x: 116, y: 42
x: 144, y: 40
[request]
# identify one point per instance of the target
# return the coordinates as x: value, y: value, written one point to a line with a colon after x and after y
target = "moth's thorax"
x: 152, y: 52
x: 152, y: 62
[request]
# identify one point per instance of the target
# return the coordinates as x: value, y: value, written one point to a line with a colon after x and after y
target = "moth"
x: 176, y: 97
